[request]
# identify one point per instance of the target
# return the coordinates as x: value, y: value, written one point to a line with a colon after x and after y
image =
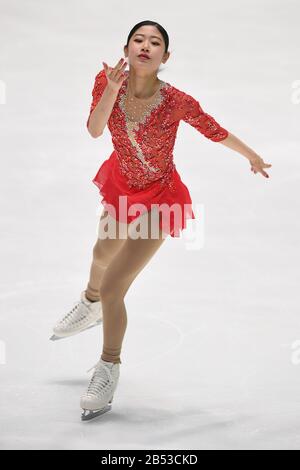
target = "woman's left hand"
x: 257, y: 165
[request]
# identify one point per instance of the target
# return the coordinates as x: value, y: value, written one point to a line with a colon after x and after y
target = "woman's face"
x: 148, y: 40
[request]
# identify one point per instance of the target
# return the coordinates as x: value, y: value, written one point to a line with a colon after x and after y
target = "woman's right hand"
x: 115, y: 75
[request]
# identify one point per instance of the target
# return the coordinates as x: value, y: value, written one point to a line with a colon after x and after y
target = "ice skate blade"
x: 87, y: 415
x: 55, y: 337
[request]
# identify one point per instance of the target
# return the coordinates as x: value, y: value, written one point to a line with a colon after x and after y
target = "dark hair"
x: 151, y: 23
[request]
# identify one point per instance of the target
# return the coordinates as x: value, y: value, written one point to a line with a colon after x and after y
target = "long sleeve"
x: 99, y: 86
x: 203, y: 122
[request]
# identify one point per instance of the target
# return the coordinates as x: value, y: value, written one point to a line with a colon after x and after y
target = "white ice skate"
x: 99, y: 395
x: 84, y: 315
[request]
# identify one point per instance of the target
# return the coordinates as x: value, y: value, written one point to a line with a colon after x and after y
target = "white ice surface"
x: 211, y: 357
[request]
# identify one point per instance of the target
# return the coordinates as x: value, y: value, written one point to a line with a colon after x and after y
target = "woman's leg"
x: 119, y: 275
x: 103, y: 252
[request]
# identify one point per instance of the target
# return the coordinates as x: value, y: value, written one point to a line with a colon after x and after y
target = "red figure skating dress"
x: 141, y: 166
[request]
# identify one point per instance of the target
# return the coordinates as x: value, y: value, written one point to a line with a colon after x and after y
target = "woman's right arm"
x: 100, y: 115
x: 105, y: 92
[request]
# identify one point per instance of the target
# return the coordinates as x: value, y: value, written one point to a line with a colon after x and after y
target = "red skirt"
x: 112, y: 185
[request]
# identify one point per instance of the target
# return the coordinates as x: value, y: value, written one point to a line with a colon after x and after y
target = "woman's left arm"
x: 256, y: 162
x: 194, y: 115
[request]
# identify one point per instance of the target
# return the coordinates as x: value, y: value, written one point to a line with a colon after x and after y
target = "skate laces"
x: 102, y: 377
x: 71, y: 317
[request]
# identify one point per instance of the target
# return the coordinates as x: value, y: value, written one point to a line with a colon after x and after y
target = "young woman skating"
x: 142, y: 113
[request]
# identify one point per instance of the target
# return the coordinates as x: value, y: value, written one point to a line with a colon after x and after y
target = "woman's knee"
x: 99, y: 256
x: 122, y: 271
x: 113, y: 290
x: 117, y: 277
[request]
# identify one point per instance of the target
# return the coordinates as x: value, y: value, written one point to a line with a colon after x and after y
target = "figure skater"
x: 142, y: 113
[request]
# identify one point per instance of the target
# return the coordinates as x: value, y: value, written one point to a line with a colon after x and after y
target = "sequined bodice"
x: 144, y: 131
x: 136, y: 113
x: 137, y: 108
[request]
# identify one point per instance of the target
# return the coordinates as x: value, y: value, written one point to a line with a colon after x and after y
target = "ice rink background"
x: 211, y: 355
